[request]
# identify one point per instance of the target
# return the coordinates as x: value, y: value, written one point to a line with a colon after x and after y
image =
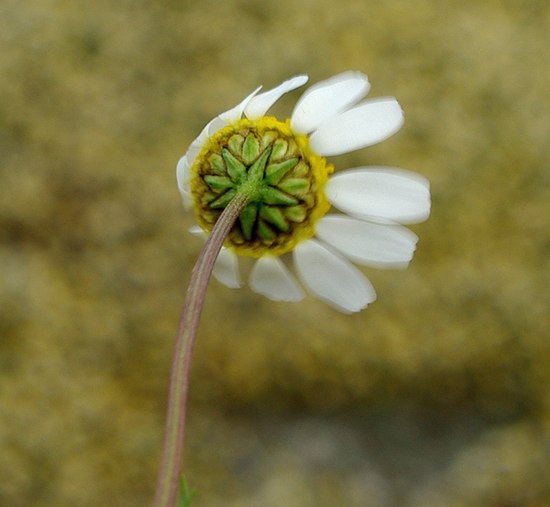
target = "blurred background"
x: 437, y: 394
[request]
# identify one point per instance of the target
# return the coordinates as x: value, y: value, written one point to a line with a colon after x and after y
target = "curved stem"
x: 171, y: 464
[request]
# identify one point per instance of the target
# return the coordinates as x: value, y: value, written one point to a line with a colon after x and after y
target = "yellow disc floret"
x: 282, y: 177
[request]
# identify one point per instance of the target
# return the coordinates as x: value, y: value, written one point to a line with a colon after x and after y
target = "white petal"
x: 226, y: 269
x: 327, y: 98
x: 259, y: 105
x: 182, y: 169
x: 332, y: 278
x: 187, y: 200
x: 376, y: 245
x: 271, y: 278
x: 236, y: 112
x: 381, y: 194
x: 196, y: 230
x: 184, y: 164
x: 358, y: 127
x: 183, y: 176
x: 219, y: 122
x: 216, y: 124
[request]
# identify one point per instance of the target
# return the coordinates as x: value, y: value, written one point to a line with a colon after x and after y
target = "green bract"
x: 280, y: 176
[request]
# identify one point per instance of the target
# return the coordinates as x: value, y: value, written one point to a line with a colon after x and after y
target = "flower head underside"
x: 281, y: 167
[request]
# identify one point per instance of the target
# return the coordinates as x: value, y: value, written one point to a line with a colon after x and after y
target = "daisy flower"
x: 282, y: 167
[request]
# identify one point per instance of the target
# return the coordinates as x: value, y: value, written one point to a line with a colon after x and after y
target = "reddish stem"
x: 171, y: 464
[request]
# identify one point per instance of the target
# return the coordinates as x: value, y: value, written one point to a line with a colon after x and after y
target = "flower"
x: 282, y: 167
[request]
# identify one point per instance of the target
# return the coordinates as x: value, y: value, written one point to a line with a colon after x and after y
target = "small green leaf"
x: 235, y: 168
x: 217, y: 163
x: 296, y: 213
x: 295, y: 186
x: 247, y: 219
x: 256, y: 171
x: 186, y: 494
x: 274, y: 216
x: 251, y: 149
x: 267, y: 139
x: 207, y: 198
x: 235, y: 144
x: 300, y: 170
x: 279, y: 149
x: 266, y: 233
x: 274, y: 172
x: 223, y: 200
x: 218, y: 183
x: 271, y: 195
x: 292, y: 150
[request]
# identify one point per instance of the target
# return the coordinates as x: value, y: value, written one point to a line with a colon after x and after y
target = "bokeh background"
x: 436, y: 395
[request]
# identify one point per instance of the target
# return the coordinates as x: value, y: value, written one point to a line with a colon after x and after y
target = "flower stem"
x: 171, y: 463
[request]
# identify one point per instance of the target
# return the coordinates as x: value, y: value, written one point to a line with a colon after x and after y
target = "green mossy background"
x: 438, y: 394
